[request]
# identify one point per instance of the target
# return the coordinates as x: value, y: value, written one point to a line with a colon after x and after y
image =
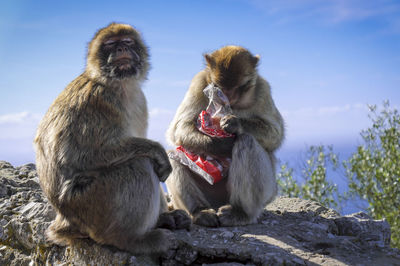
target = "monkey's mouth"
x: 121, y: 67
x: 123, y: 62
x: 232, y: 97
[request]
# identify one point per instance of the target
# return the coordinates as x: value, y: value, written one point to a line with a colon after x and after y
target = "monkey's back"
x: 81, y: 121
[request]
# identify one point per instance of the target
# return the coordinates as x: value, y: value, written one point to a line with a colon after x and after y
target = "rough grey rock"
x: 290, y: 231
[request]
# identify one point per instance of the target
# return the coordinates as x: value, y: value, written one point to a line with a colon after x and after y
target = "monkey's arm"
x: 183, y: 129
x: 144, y: 147
x: 191, y: 138
x: 268, y: 132
x: 263, y: 120
x: 130, y: 148
x: 123, y: 152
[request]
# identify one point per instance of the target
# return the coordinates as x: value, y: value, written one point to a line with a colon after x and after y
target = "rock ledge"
x: 290, y: 231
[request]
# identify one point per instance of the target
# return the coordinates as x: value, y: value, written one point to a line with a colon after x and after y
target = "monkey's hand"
x: 231, y: 124
x: 161, y: 165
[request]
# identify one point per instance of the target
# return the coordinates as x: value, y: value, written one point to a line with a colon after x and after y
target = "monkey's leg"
x: 251, y: 183
x: 145, y: 195
x: 120, y: 206
x: 187, y: 195
x: 156, y: 241
x: 62, y: 232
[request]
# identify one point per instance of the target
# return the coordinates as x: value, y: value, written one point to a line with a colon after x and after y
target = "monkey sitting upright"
x: 95, y: 165
x: 239, y: 198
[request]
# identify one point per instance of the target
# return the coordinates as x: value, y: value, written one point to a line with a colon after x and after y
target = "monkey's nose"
x: 122, y: 49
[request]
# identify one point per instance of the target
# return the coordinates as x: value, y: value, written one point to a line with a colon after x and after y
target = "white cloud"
x: 331, y: 11
x: 17, y: 126
x: 342, y: 11
x: 159, y: 121
x: 326, y: 124
x: 17, y: 131
x: 157, y: 112
x: 19, y: 118
x: 325, y: 111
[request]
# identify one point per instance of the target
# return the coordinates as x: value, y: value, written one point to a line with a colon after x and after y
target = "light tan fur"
x: 259, y: 128
x: 94, y: 162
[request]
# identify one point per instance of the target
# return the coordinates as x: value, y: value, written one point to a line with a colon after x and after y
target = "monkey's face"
x: 238, y: 88
x: 233, y: 70
x: 117, y: 52
x: 236, y: 78
x: 120, y: 56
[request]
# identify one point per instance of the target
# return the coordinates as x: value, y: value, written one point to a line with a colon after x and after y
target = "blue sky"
x: 325, y: 59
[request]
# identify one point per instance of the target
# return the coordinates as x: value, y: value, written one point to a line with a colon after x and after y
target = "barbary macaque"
x: 95, y: 165
x: 250, y: 184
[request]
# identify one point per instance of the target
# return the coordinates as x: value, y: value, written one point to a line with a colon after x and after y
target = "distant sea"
x: 296, y: 156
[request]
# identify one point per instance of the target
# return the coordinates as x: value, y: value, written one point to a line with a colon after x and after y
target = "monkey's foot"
x: 207, y: 217
x: 157, y: 241
x: 229, y: 216
x: 62, y: 232
x: 176, y: 219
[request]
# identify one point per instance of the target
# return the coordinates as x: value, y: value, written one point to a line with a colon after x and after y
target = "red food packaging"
x: 210, y: 168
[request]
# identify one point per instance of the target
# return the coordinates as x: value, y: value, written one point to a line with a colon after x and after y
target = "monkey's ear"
x: 255, y: 60
x: 210, y: 60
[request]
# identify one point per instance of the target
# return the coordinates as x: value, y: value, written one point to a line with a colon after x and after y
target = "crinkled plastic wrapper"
x: 210, y: 168
x: 218, y: 107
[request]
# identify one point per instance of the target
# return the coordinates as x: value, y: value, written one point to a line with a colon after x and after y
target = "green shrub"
x: 373, y: 171
x: 314, y: 185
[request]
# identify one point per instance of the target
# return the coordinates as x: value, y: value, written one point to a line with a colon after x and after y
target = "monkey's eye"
x: 128, y: 41
x: 109, y: 43
x: 245, y: 86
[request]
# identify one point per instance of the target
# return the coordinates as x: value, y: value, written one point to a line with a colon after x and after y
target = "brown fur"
x: 95, y: 165
x: 230, y: 65
x: 93, y: 58
x: 258, y: 125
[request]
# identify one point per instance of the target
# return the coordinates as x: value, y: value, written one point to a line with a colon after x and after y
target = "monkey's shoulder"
x: 262, y: 104
x: 263, y: 94
x: 82, y: 103
x: 195, y: 99
x: 75, y: 92
x: 263, y: 87
x: 199, y: 82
